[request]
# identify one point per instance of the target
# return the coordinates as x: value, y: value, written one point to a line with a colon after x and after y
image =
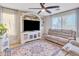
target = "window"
x: 9, y: 20
x: 69, y: 22
x: 66, y: 21
x: 56, y: 23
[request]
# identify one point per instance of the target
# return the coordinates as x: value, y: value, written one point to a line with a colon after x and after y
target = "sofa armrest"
x: 73, y: 42
x: 56, y: 39
x: 71, y: 49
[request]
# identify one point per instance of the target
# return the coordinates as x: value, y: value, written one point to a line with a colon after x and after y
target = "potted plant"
x: 3, y: 30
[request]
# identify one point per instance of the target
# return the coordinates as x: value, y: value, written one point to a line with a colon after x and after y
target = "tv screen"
x: 30, y: 25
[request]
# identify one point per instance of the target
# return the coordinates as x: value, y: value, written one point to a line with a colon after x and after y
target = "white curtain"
x: 9, y: 20
x: 56, y: 23
x: 0, y: 14
x: 12, y: 20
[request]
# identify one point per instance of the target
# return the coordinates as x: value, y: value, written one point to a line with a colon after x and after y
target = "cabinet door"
x: 31, y: 36
x: 35, y: 35
x: 26, y: 36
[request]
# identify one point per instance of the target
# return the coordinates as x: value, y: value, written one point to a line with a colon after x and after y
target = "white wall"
x: 47, y: 23
x: 77, y: 34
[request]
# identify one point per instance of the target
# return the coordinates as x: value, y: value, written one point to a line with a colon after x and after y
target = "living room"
x: 39, y: 29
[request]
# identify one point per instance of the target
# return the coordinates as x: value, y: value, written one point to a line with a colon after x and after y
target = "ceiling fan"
x: 43, y: 8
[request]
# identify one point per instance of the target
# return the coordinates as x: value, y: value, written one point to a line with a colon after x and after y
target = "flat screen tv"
x: 30, y: 25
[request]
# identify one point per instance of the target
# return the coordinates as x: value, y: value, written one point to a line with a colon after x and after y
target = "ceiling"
x: 26, y: 6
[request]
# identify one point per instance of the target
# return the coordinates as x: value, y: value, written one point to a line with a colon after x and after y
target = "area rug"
x: 36, y: 48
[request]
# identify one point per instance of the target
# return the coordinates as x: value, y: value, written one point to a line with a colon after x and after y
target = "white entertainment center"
x: 29, y: 35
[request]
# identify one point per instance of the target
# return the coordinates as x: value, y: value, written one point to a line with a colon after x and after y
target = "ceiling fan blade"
x: 48, y: 11
x: 39, y: 12
x: 42, y: 5
x: 35, y: 8
x: 52, y: 7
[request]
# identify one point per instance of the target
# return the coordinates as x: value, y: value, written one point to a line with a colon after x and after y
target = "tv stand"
x: 29, y: 36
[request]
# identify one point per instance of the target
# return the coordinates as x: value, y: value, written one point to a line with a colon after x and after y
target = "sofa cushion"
x: 56, y: 39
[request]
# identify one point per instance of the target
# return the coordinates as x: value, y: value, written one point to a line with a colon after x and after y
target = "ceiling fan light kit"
x: 43, y: 10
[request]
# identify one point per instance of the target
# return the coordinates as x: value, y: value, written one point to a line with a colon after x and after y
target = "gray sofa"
x: 60, y: 36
